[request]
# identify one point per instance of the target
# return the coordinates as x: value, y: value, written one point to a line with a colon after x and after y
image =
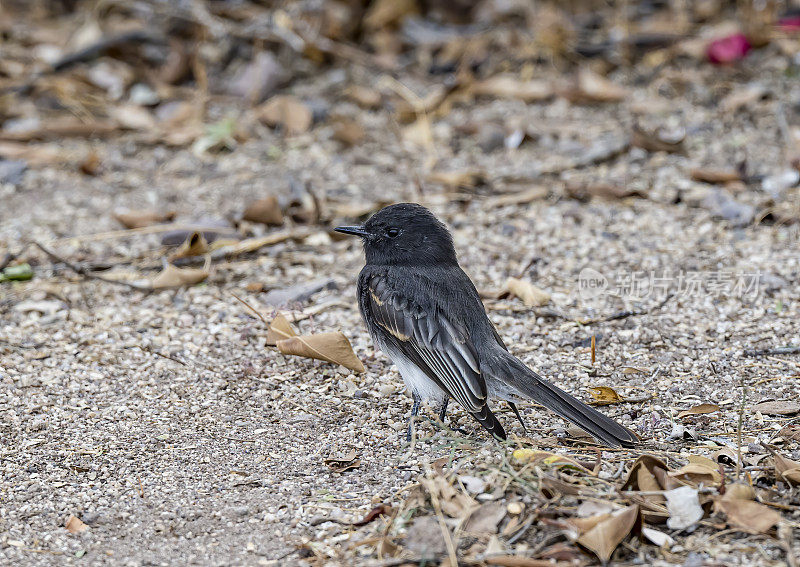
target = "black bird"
x: 424, y: 312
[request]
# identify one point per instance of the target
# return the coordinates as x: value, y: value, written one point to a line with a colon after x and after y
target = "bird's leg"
x: 414, y: 412
x: 443, y: 411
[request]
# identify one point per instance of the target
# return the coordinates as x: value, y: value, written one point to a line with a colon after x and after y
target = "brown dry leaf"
x: 348, y: 131
x: 364, y: 97
x: 589, y: 87
x: 485, y: 518
x: 90, y: 164
x: 583, y: 191
x: 195, y: 245
x: 454, y: 502
x: 133, y: 117
x: 171, y: 276
x: 143, y: 217
x: 656, y: 141
x: 460, y: 179
x: 530, y: 295
x: 330, y: 347
x: 747, y: 515
x: 286, y: 111
x: 279, y: 329
x: 604, y: 395
x: 345, y: 463
x: 739, y: 491
x: 777, y: 407
x: 381, y: 509
x: 790, y: 432
x: 787, y: 469
x: 715, y: 176
x: 265, y: 211
x: 523, y: 197
x: 701, y: 409
x: 635, y: 370
x: 604, y: 538
x: 700, y: 470
x: 74, y: 525
x: 510, y: 86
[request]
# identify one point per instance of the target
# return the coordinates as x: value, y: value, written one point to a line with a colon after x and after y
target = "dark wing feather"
x: 439, y: 346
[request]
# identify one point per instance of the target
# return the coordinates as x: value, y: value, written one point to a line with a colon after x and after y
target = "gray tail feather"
x: 530, y: 385
x: 488, y: 420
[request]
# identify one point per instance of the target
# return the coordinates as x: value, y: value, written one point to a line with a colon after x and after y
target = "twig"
x: 154, y: 229
x: 773, y: 351
x: 8, y: 257
x: 739, y: 428
x: 628, y: 313
x: 451, y: 549
x: 88, y: 274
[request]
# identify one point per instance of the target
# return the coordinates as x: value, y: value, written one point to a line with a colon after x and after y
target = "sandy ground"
x: 214, y: 455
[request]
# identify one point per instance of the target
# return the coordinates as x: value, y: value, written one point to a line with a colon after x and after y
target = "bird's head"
x: 404, y: 234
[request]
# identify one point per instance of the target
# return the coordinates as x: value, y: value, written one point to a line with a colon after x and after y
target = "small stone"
x: 515, y: 508
x: 142, y: 95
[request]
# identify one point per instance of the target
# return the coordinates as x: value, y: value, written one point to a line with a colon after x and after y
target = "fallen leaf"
x: 589, y: 87
x: 739, y: 491
x: 90, y: 164
x: 279, y: 329
x: 787, y: 469
x: 701, y: 409
x: 485, y: 518
x: 378, y: 511
x: 790, y: 432
x: 172, y: 276
x: 348, y: 131
x: 74, y: 525
x: 454, y: 502
x: 604, y: 395
x: 521, y: 198
x: 143, y: 217
x: 684, y: 507
x: 657, y: 141
x: 716, y: 176
x: 364, y: 97
x: 604, y: 538
x: 530, y: 295
x: 659, y: 538
x: 133, y: 117
x: 265, y: 211
x: 509, y: 86
x: 635, y: 370
x: 583, y: 191
x: 699, y: 470
x: 777, y: 407
x: 747, y: 515
x: 342, y: 464
x: 195, y: 245
x: 554, y: 459
x: 460, y: 179
x: 287, y: 112
x: 330, y: 347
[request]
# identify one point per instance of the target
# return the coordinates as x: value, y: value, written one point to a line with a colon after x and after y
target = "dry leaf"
x: 74, y: 525
x: 589, y: 87
x: 777, y: 407
x: 700, y: 470
x: 345, y: 463
x: 635, y: 370
x: 330, y: 347
x: 463, y: 179
x: 454, y: 502
x: 659, y: 538
x: 583, y: 191
x: 348, y: 131
x: 142, y: 218
x: 133, y: 117
x: 739, y: 491
x: 286, y: 111
x: 485, y: 518
x: 378, y: 511
x: 279, y: 329
x: 684, y: 507
x: 790, y: 432
x: 604, y: 395
x: 195, y: 245
x: 90, y: 164
x: 787, y: 469
x: 530, y: 295
x: 716, y: 176
x: 554, y: 459
x: 523, y: 197
x: 509, y: 86
x: 172, y: 276
x: 701, y: 409
x: 265, y: 211
x: 747, y: 515
x: 364, y: 97
x: 604, y: 538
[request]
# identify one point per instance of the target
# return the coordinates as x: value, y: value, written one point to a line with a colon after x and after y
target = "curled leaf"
x: 142, y: 218
x: 265, y: 211
x: 172, y: 276
x: 530, y: 295
x: 343, y: 463
x: 604, y: 537
x: 604, y: 395
x: 787, y: 469
x: 287, y: 112
x: 74, y: 525
x: 279, y: 329
x: 195, y: 245
x: 747, y: 515
x: 330, y: 347
x: 701, y: 409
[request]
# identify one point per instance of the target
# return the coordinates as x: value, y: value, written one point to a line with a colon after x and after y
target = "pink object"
x: 728, y: 49
x: 790, y: 24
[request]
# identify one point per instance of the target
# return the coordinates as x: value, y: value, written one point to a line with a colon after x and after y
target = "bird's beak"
x: 356, y: 230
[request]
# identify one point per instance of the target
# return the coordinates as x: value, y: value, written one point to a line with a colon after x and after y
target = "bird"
x: 423, y: 311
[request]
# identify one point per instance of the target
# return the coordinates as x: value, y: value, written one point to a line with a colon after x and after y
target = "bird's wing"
x: 437, y: 344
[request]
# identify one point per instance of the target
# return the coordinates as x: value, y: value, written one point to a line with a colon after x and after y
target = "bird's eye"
x: 392, y: 232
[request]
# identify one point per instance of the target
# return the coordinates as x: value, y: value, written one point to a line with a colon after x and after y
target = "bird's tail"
x: 488, y: 420
x: 520, y: 379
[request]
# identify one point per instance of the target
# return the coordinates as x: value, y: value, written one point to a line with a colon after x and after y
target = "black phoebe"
x: 424, y: 312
